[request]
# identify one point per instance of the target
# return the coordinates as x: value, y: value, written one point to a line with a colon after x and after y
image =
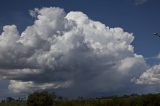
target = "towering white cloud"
x: 68, y: 51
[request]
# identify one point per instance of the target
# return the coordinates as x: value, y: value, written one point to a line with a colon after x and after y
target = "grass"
x: 14, y: 104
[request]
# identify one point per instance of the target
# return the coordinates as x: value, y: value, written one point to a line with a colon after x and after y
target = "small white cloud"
x: 150, y: 77
x: 18, y: 86
x: 34, y: 12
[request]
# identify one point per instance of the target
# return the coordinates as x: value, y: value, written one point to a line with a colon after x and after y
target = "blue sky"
x: 140, y: 17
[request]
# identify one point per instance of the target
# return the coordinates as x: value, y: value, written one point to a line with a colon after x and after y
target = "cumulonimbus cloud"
x: 68, y: 51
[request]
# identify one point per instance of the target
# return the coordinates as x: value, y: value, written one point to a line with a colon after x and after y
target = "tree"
x: 10, y: 99
x: 40, y: 99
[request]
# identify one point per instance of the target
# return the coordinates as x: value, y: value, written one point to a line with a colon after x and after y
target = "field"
x: 14, y: 104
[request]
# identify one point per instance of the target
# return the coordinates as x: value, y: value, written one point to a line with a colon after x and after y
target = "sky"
x: 79, y: 47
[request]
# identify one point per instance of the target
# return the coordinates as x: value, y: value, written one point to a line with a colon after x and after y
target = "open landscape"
x: 79, y: 52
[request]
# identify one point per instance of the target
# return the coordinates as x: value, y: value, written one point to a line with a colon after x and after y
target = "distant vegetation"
x: 40, y: 99
x: 48, y: 99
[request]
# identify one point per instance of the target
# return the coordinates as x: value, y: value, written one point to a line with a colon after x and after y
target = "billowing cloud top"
x: 68, y: 51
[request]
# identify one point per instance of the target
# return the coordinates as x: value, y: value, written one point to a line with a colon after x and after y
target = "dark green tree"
x: 40, y: 99
x: 10, y: 99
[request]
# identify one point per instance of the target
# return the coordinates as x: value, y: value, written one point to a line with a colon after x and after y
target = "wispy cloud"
x: 140, y: 2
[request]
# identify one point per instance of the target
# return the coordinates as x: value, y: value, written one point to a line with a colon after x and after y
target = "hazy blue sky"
x: 140, y: 17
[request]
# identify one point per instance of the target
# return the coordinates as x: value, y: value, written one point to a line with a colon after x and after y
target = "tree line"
x: 50, y: 99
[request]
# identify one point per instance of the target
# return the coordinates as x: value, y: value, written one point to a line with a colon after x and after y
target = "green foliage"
x: 10, y: 99
x: 40, y: 99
